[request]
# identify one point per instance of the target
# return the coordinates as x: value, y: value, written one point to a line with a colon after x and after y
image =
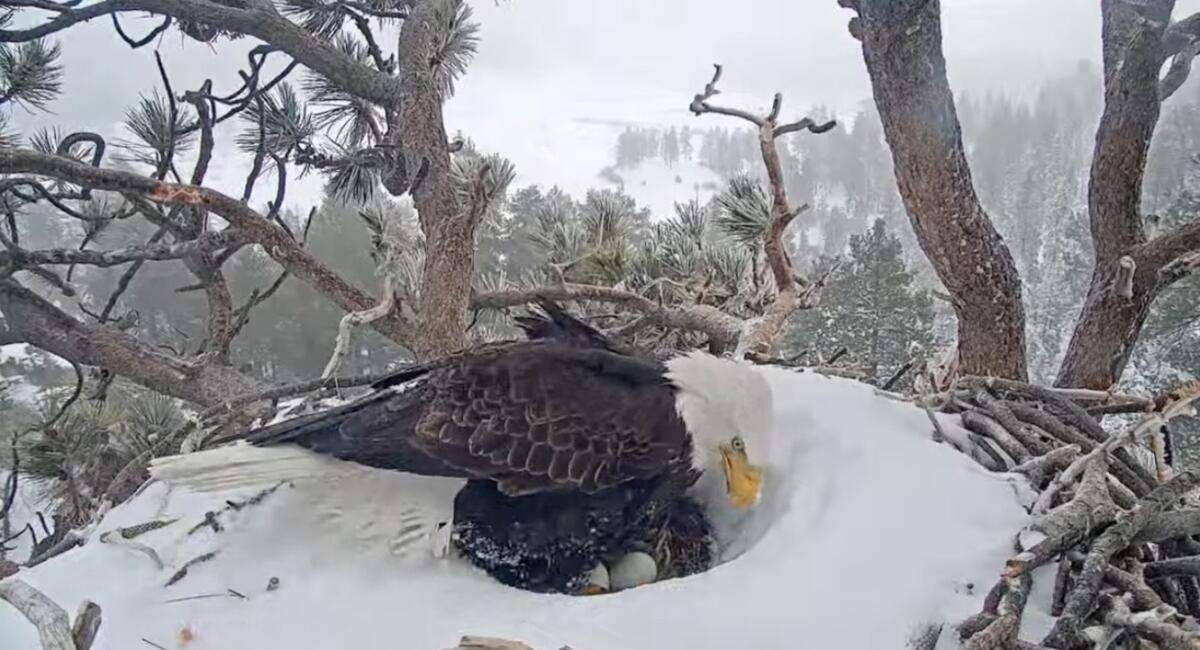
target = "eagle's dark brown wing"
x: 533, y: 416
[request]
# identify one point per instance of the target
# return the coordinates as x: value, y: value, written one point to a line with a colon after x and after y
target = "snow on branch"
x: 1096, y: 504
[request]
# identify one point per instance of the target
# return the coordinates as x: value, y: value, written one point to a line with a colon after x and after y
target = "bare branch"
x: 700, y: 104
x: 49, y: 328
x: 86, y: 626
x: 1177, y: 72
x: 354, y: 318
x: 145, y: 40
x: 269, y: 26
x: 205, y: 243
x: 1181, y: 34
x: 51, y: 621
x: 1112, y: 540
x: 700, y: 318
x: 1165, y: 252
x: 1152, y: 627
x: 204, y: 120
x: 277, y: 243
x: 127, y: 277
x: 788, y: 297
x: 805, y: 124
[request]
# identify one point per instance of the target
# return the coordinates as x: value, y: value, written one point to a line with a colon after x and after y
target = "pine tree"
x: 670, y: 147
x: 627, y: 154
x: 1168, y: 351
x: 871, y: 307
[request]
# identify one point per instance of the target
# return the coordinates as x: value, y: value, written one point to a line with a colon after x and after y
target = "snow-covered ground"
x: 656, y: 185
x: 867, y: 528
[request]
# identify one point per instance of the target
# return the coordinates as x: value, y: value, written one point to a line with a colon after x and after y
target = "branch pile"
x: 1127, y: 539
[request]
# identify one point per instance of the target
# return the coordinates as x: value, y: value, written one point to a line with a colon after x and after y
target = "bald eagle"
x: 576, y: 451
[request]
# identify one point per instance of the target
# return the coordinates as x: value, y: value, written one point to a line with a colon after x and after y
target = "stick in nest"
x: 213, y: 519
x: 115, y: 538
x: 183, y: 570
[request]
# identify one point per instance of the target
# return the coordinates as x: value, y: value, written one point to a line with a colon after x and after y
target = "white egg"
x: 634, y: 570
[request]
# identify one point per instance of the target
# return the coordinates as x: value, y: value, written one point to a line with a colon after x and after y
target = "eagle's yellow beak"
x: 742, y: 480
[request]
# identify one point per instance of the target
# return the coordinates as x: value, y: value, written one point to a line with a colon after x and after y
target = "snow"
x: 652, y: 183
x: 14, y: 351
x: 866, y: 530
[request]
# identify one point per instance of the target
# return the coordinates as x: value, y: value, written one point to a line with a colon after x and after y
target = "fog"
x: 546, y: 67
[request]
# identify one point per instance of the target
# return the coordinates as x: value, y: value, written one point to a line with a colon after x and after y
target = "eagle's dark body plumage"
x: 573, y: 451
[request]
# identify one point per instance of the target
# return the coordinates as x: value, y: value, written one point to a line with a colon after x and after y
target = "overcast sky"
x: 547, y: 68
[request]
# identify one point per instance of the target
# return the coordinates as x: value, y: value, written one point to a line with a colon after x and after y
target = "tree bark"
x: 45, y: 326
x: 1111, y: 319
x: 902, y: 48
x: 449, y: 229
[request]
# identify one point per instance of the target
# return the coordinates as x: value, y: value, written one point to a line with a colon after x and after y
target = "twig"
x: 229, y: 593
x: 837, y: 354
x: 212, y: 519
x: 183, y: 570
x: 1150, y: 423
x: 487, y: 643
x: 87, y: 625
x: 68, y: 542
x: 1039, y: 467
x: 1061, y: 584
x: 354, y: 318
x: 898, y: 375
x: 115, y: 538
x: 986, y: 426
x: 1118, y: 536
x: 1002, y: 632
x: 1149, y: 625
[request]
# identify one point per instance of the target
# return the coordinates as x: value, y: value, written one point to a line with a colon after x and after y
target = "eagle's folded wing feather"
x: 532, y: 416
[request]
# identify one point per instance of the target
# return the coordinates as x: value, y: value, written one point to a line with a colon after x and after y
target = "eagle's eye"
x: 738, y: 444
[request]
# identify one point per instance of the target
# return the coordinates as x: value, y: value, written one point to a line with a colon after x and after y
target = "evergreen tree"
x: 670, y: 147
x: 1168, y: 351
x: 870, y: 306
x: 627, y: 153
x: 685, y: 142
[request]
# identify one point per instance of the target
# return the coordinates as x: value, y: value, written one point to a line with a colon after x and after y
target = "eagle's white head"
x: 727, y: 406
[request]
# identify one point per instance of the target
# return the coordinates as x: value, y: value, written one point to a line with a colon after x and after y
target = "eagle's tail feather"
x: 304, y: 427
x: 242, y: 465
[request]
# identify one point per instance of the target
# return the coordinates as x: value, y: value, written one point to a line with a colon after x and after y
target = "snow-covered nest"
x: 867, y: 529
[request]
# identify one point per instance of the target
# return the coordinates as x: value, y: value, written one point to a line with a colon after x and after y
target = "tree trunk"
x: 1110, y: 322
x: 449, y: 230
x: 39, y: 323
x: 902, y: 48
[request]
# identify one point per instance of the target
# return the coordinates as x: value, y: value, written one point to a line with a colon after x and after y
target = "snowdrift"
x: 867, y: 529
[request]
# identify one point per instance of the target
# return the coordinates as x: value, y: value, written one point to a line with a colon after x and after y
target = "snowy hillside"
x: 656, y: 185
x: 867, y: 529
